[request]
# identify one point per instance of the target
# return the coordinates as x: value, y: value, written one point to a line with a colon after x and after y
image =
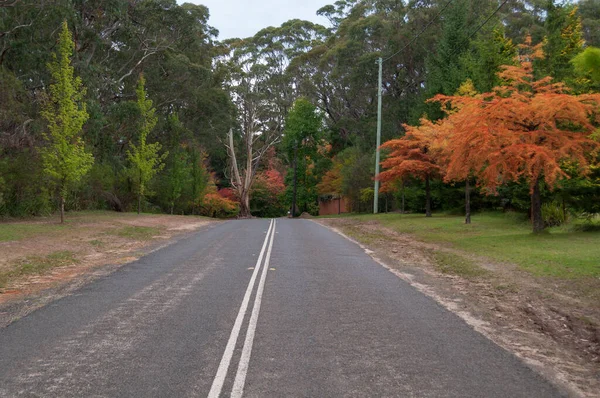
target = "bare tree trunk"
x: 242, y: 187
x: 427, y: 198
x: 402, y: 197
x: 139, y: 203
x: 245, y: 204
x: 295, y: 179
x: 467, y: 202
x: 62, y: 209
x: 536, y: 209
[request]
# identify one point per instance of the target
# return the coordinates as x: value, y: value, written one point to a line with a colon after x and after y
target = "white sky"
x: 243, y: 18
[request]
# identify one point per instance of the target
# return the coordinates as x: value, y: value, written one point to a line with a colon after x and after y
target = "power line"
x: 420, y: 33
x: 488, y: 19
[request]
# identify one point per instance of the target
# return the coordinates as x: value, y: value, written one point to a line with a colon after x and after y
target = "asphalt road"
x: 316, y: 317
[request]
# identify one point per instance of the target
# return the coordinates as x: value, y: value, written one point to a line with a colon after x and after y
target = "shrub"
x: 214, y: 205
x: 553, y: 214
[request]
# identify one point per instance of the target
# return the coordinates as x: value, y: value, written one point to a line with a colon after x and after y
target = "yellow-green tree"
x: 144, y: 157
x: 64, y: 157
x: 587, y: 67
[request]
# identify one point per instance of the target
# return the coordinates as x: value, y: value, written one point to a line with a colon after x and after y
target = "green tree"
x: 65, y: 158
x: 177, y: 178
x: 563, y: 41
x: 446, y: 72
x: 590, y: 19
x: 144, y: 157
x: 587, y: 67
x: 199, y: 178
x: 302, y: 137
x: 489, y: 53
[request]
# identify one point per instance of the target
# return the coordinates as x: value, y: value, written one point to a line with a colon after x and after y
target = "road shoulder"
x: 91, y: 246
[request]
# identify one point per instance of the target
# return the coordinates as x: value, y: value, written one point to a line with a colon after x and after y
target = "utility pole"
x: 295, y: 178
x: 377, y: 154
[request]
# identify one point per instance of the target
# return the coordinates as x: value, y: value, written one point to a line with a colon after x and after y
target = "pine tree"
x: 65, y: 158
x: 445, y: 72
x: 144, y: 157
x: 489, y: 53
x: 562, y: 43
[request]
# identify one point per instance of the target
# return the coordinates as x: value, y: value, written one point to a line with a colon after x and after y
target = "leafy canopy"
x: 65, y: 159
x: 524, y: 129
x: 414, y: 155
x: 144, y: 157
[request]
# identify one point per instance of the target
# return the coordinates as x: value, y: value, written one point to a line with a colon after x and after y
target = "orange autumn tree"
x: 331, y: 183
x: 414, y: 155
x: 522, y: 130
x: 467, y: 89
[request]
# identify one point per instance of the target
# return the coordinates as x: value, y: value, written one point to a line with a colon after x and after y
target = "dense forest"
x: 137, y: 105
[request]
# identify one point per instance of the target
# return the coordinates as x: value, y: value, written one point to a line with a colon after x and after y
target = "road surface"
x: 256, y: 308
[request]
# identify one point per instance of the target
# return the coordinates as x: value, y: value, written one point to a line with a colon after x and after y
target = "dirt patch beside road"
x: 41, y: 260
x: 550, y: 327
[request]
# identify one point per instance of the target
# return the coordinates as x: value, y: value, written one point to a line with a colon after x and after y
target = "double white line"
x: 242, y: 370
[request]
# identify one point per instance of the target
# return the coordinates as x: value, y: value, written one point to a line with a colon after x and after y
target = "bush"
x: 553, y: 214
x: 214, y: 205
x: 268, y: 195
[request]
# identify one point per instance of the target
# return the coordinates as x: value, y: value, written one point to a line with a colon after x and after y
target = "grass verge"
x: 18, y: 231
x: 562, y: 252
x: 38, y: 265
x: 135, y: 232
x: 454, y: 264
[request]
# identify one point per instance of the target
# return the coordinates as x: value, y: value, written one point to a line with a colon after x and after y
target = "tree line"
x: 235, y: 122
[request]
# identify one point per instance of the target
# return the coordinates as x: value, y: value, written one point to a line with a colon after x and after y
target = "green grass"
x: 561, y: 252
x: 37, y: 265
x: 134, y: 232
x: 11, y: 231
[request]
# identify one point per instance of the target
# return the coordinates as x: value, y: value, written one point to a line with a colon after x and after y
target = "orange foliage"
x: 271, y: 180
x: 214, y: 205
x: 523, y: 129
x: 331, y: 183
x: 416, y: 154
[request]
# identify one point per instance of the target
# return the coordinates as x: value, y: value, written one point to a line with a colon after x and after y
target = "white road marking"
x: 240, y: 377
x: 217, y: 384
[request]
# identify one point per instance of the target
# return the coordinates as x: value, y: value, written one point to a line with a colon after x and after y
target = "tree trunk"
x: 427, y: 198
x: 402, y: 197
x: 467, y: 202
x: 536, y: 209
x: 295, y: 179
x: 245, y: 204
x: 62, y: 209
x: 139, y: 203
